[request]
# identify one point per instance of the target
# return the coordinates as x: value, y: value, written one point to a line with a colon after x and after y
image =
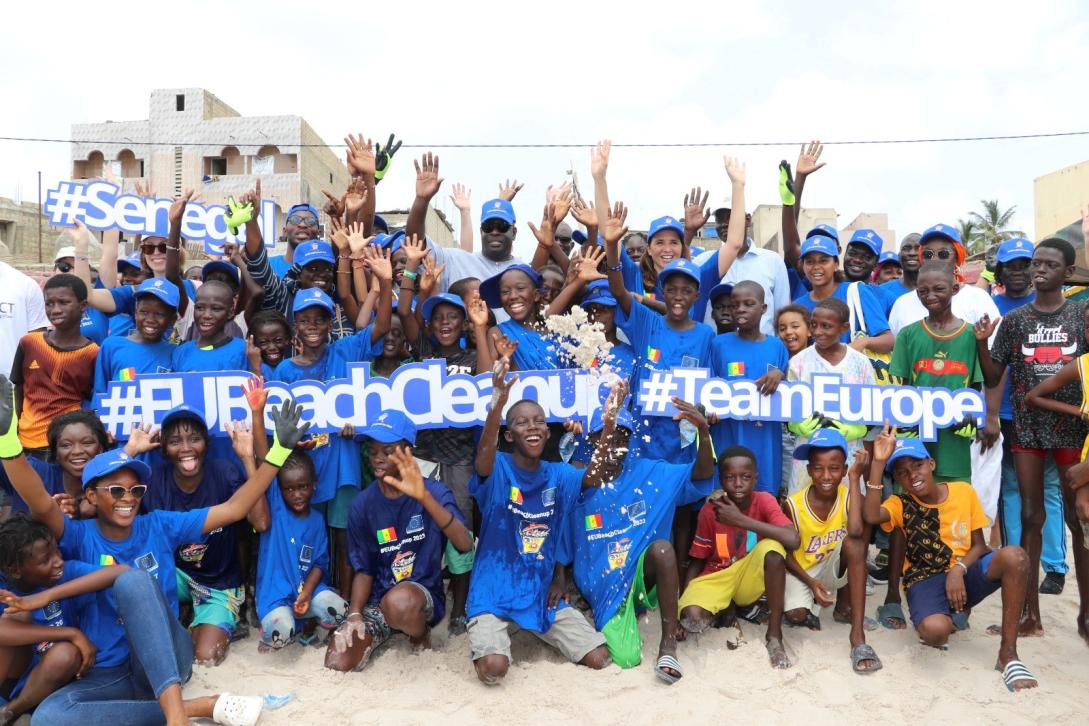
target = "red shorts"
x: 1063, y: 456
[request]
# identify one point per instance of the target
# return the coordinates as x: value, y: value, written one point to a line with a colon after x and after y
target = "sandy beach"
x: 917, y: 684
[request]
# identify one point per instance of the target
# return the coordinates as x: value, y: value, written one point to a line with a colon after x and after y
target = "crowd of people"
x: 124, y: 562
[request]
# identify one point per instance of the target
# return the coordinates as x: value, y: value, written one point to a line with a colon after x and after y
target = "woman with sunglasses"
x: 942, y: 243
x: 144, y: 655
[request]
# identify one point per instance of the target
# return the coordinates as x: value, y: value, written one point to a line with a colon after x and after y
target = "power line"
x: 692, y: 145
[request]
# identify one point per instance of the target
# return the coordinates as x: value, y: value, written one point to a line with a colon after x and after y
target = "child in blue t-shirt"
x: 213, y: 349
x: 41, y: 600
x: 523, y: 501
x: 145, y: 350
x: 397, y: 533
x: 751, y: 355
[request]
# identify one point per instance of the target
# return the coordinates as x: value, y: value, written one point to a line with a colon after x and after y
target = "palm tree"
x: 992, y: 227
x: 969, y: 235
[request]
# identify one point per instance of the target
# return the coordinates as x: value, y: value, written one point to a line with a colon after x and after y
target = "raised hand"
x: 501, y: 384
x: 460, y: 196
x: 599, y: 158
x: 589, y: 265
x: 81, y: 237
x: 415, y: 249
x: 428, y: 180
x: 618, y: 393
x: 429, y: 280
x: 545, y: 235
x: 256, y: 393
x: 478, y: 311
x: 334, y: 207
x: 360, y: 155
x: 241, y: 439
x: 253, y: 196
x: 286, y: 424
x: 560, y: 198
x: 357, y: 241
x: 885, y: 443
x: 233, y: 253
x: 384, y: 157
x: 690, y: 413
x: 616, y: 225
x: 860, y: 467
x: 735, y: 169
x: 696, y: 211
x: 142, y: 440
x: 377, y: 261
x: 355, y: 198
x: 808, y: 158
x: 504, y: 346
x: 584, y: 213
x: 340, y: 239
x: 411, y: 481
x: 144, y: 190
x: 984, y: 327
x: 177, y: 208
x: 509, y: 189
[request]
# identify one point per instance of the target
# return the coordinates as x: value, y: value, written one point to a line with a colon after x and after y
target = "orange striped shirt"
x: 53, y: 381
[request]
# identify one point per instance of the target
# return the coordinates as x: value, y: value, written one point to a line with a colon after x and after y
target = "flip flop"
x: 671, y: 662
x: 1015, y: 672
x: 862, y: 652
x: 233, y: 710
x: 891, y: 611
x: 960, y: 620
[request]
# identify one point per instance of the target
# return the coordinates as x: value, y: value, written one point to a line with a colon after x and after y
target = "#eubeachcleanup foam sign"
x: 434, y: 398
x: 100, y: 205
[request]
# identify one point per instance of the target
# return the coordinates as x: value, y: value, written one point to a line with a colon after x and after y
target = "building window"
x: 179, y: 102
x: 215, y: 165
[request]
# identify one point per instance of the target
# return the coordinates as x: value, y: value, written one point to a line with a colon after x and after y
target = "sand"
x: 918, y: 684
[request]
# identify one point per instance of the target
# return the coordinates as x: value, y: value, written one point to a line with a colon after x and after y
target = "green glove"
x: 786, y: 185
x: 850, y: 432
x: 908, y: 433
x: 287, y: 432
x: 384, y: 157
x: 10, y: 446
x: 237, y: 214
x: 807, y: 427
x: 966, y: 430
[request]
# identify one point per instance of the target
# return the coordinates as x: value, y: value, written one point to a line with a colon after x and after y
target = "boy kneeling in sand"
x: 523, y: 502
x: 739, y: 553
x: 948, y: 567
x: 832, y: 554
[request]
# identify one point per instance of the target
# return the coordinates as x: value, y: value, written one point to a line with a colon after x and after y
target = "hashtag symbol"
x: 120, y: 407
x: 655, y: 393
x: 65, y: 203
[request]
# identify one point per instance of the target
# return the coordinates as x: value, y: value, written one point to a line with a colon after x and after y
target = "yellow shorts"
x: 742, y: 582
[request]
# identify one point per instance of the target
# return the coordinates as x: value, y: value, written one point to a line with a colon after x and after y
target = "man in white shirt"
x: 22, y: 309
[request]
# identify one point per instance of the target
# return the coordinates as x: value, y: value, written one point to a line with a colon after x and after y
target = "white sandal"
x: 232, y: 710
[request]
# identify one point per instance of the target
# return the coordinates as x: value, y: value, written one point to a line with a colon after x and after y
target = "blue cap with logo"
x: 132, y: 261
x: 819, y: 243
x: 888, y: 258
x: 940, y: 231
x: 579, y: 236
x: 823, y: 230
x: 161, y: 288
x: 222, y: 266
x: 497, y: 209
x: 445, y: 297
x: 869, y: 238
x: 821, y: 439
x: 664, y: 223
x: 1014, y: 249
x: 390, y: 427
x: 183, y: 411
x: 317, y: 250
x: 723, y: 288
x: 489, y: 289
x: 111, y: 461
x: 380, y: 223
x: 394, y: 241
x: 683, y: 266
x: 907, y: 448
x: 598, y: 293
x: 311, y: 298
x: 623, y: 419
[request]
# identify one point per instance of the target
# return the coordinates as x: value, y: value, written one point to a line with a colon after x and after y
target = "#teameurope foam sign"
x: 433, y: 398
x: 100, y: 206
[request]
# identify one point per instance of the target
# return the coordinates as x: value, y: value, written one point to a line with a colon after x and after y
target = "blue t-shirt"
x: 873, y: 310
x: 124, y: 297
x: 95, y: 325
x: 799, y: 285
x: 150, y: 546
x: 659, y: 348
x: 230, y: 356
x: 59, y: 613
x: 610, y: 526
x: 52, y: 477
x: 893, y: 289
x: 1006, y: 305
x: 735, y: 358
x: 279, y: 265
x: 395, y: 540
x: 212, y: 560
x: 122, y: 358
x: 522, y: 514
x: 709, y: 277
x: 289, y: 549
x: 335, y: 458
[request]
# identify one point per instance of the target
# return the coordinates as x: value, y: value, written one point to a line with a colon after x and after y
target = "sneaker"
x: 869, y: 585
x: 458, y: 625
x: 1053, y: 583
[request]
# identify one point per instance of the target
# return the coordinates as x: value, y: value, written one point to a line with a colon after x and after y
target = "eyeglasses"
x: 151, y: 248
x: 495, y: 225
x: 118, y: 492
x: 63, y: 267
x: 307, y: 220
x: 940, y: 254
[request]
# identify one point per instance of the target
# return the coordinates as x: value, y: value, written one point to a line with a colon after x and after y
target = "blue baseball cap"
x: 132, y: 261
x: 723, y: 288
x: 390, y: 427
x: 869, y: 238
x: 311, y: 298
x: 888, y: 257
x: 304, y: 207
x: 489, y: 289
x: 598, y: 293
x: 907, y: 448
x: 823, y: 230
x: 821, y: 439
x: 683, y: 266
x: 380, y: 223
x: 1014, y: 249
x: 664, y: 223
x: 940, y: 231
x: 394, y: 241
x: 497, y: 209
x: 445, y: 297
x: 317, y: 250
x: 819, y: 243
x: 183, y: 411
x: 111, y: 461
x: 230, y: 268
x: 579, y: 236
x: 161, y: 288
x: 623, y: 419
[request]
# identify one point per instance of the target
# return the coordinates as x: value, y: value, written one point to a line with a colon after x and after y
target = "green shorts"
x: 210, y: 606
x: 622, y: 631
x: 458, y: 563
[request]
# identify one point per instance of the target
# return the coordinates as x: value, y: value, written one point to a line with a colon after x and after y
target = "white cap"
x: 63, y: 252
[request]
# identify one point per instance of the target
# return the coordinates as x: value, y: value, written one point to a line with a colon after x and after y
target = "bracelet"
x: 961, y: 564
x: 358, y: 263
x: 353, y: 613
x: 410, y: 275
x: 443, y: 527
x: 83, y: 258
x: 172, y: 249
x: 615, y: 268
x: 344, y: 272
x: 344, y: 256
x: 875, y: 487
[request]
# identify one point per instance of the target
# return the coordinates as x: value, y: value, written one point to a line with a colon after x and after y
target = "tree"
x: 969, y: 235
x: 992, y: 226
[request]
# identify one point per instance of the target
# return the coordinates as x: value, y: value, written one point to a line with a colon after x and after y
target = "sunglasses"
x: 63, y: 267
x: 151, y: 248
x: 940, y: 254
x: 495, y: 225
x: 307, y: 220
x: 118, y: 492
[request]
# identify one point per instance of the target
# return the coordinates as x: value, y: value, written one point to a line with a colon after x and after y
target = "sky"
x: 575, y: 72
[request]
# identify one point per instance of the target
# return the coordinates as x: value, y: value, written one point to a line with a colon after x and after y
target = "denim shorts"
x: 927, y: 597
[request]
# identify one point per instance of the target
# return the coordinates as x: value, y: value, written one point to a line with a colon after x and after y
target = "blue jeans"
x: 1053, y: 552
x: 161, y: 655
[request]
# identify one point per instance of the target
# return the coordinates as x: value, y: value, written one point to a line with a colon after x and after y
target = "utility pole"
x: 39, y: 217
